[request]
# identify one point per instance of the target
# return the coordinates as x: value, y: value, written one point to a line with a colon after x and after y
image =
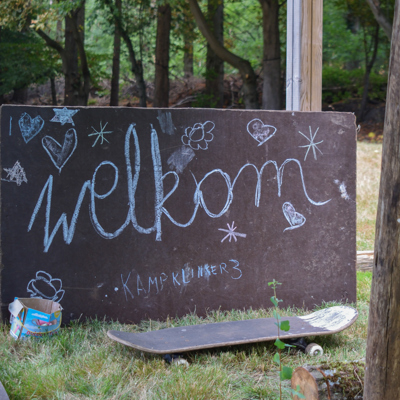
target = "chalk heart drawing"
x: 295, y: 219
x: 44, y: 286
x: 29, y: 126
x: 60, y: 154
x: 259, y: 131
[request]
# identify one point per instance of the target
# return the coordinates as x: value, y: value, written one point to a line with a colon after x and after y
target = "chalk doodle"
x: 180, y: 158
x: 343, y: 190
x: 166, y: 124
x: 10, y: 126
x: 16, y: 174
x: 231, y: 232
x: 199, y: 135
x: 29, y: 126
x: 64, y: 116
x: 312, y: 144
x: 60, y: 154
x: 160, y: 197
x: 100, y: 134
x: 295, y: 219
x: 44, y: 286
x: 259, y: 131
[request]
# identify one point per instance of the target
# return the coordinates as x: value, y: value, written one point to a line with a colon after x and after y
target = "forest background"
x: 152, y: 53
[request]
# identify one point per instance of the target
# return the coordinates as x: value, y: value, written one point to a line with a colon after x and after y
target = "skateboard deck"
x: 195, y: 337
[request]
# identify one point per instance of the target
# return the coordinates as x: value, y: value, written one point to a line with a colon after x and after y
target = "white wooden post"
x: 304, y: 55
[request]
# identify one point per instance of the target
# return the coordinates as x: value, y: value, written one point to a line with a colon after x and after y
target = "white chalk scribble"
x: 231, y: 232
x: 44, y: 286
x: 312, y: 144
x: 64, y: 116
x: 199, y: 135
x: 259, y: 131
x: 295, y: 219
x: 16, y: 174
x: 100, y: 134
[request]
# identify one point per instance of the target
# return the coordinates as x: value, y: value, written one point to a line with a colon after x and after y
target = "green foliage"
x: 25, y: 60
x: 341, y: 84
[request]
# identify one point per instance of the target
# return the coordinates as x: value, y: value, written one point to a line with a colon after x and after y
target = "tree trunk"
x: 53, y: 91
x: 380, y: 18
x: 77, y: 77
x: 271, y: 98
x: 20, y: 95
x: 115, y: 65
x: 245, y: 69
x: 368, y: 68
x: 214, y: 65
x: 136, y: 66
x: 188, y: 38
x: 383, y: 345
x: 161, y: 83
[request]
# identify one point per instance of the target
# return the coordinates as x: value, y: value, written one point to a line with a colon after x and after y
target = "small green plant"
x: 285, y: 373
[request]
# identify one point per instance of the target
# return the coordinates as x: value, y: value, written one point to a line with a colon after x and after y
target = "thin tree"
x: 73, y: 56
x: 161, y: 81
x: 136, y: 65
x: 245, y: 69
x: 114, y: 95
x: 384, y: 23
x: 271, y: 98
x: 382, y: 369
x: 214, y: 64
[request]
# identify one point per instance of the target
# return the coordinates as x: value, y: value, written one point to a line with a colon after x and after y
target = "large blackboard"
x: 148, y: 213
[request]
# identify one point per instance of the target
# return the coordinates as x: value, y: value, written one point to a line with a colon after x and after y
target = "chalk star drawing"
x: 16, y: 174
x: 231, y: 232
x: 100, y: 134
x: 312, y: 144
x: 64, y: 116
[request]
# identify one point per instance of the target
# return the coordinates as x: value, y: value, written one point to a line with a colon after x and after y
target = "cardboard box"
x: 34, y: 317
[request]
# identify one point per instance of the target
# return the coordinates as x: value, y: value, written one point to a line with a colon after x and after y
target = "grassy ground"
x: 82, y: 363
x: 368, y: 175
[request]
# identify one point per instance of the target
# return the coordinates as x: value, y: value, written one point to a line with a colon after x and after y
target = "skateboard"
x: 205, y: 336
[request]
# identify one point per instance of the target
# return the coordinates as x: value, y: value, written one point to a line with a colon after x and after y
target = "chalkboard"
x: 136, y: 213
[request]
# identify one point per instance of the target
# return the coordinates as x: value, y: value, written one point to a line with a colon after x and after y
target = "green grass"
x: 368, y: 175
x: 81, y: 362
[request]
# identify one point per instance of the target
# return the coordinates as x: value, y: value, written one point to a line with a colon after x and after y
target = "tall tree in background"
x: 380, y: 17
x: 161, y: 82
x: 382, y: 369
x: 271, y: 98
x: 245, y: 69
x: 36, y: 15
x: 188, y: 39
x: 136, y: 65
x: 114, y: 95
x: 214, y: 64
x: 75, y: 66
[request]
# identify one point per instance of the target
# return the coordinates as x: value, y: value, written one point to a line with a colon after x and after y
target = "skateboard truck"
x: 311, y: 349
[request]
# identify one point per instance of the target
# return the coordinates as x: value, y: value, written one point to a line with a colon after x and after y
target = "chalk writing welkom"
x: 133, y: 173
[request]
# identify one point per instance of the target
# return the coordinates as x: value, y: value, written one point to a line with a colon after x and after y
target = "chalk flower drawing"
x: 16, y: 174
x: 199, y: 135
x: 259, y: 131
x: 100, y: 134
x: 312, y: 144
x: 295, y: 219
x: 44, y: 286
x: 29, y: 126
x: 64, y: 116
x: 231, y: 232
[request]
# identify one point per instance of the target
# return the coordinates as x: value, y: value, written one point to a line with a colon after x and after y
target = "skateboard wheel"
x: 314, y: 349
